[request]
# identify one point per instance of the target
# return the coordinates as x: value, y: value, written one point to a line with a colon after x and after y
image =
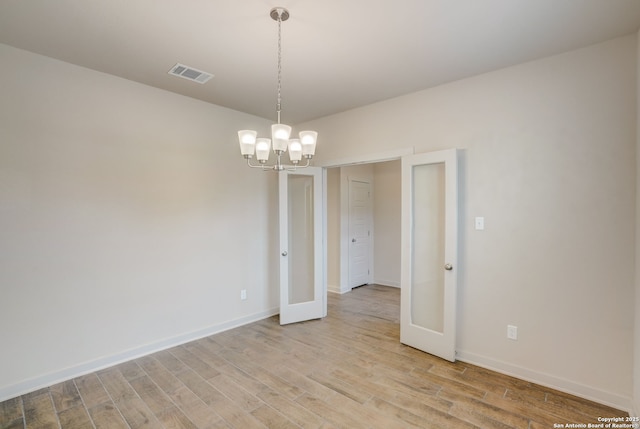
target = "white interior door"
x: 429, y: 252
x: 301, y: 251
x: 359, y: 232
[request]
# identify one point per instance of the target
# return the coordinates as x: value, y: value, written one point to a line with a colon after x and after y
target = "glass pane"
x: 301, y: 275
x: 427, y: 277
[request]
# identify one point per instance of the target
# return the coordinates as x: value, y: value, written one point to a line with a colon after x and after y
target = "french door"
x: 429, y: 252
x: 302, y: 294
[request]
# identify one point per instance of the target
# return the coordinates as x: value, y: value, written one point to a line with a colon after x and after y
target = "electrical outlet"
x: 512, y: 332
x: 243, y: 294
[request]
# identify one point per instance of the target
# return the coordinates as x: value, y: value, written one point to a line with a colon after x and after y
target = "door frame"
x: 393, y: 155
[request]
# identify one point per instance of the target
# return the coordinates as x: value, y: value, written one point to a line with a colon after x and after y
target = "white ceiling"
x: 337, y: 54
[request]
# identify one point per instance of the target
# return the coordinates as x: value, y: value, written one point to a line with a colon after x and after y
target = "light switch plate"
x: 479, y: 223
x: 512, y: 332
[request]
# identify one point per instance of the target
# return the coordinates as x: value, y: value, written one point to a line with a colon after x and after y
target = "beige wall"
x: 128, y: 221
x: 333, y: 229
x: 387, y: 222
x: 548, y: 158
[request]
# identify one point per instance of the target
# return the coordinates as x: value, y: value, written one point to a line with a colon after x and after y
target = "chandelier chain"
x: 279, y: 105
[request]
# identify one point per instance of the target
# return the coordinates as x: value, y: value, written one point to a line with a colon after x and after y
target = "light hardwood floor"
x: 348, y: 370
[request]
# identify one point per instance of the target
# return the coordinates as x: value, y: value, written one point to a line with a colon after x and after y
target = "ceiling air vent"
x: 190, y: 73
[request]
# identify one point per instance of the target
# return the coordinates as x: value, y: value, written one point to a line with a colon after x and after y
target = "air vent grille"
x: 190, y: 73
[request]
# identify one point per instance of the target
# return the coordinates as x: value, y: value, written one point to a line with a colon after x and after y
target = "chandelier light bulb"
x: 262, y: 149
x: 247, y: 140
x: 280, y: 134
x: 295, y: 150
x: 308, y: 139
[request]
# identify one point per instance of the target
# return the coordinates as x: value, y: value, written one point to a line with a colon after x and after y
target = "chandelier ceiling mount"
x: 279, y: 13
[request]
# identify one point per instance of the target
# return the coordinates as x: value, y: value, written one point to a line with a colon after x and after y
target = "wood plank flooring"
x: 348, y: 370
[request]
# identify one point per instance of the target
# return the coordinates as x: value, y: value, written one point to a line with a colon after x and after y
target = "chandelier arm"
x: 279, y: 166
x: 261, y: 166
x: 296, y: 166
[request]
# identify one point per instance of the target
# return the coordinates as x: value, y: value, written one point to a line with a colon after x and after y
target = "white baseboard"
x: 603, y: 397
x: 336, y: 289
x: 390, y: 283
x: 39, y: 382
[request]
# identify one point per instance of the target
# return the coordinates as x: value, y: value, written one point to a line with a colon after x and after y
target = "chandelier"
x: 250, y: 144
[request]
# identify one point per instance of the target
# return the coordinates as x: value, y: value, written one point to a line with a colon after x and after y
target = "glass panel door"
x: 301, y: 252
x: 302, y: 292
x: 429, y: 252
x: 427, y: 255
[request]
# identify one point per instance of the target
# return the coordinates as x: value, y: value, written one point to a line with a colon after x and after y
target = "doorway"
x: 428, y: 180
x: 381, y: 263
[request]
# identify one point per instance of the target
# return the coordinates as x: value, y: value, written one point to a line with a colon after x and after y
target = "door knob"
x: 448, y: 267
x: 284, y: 253
x: 353, y: 240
